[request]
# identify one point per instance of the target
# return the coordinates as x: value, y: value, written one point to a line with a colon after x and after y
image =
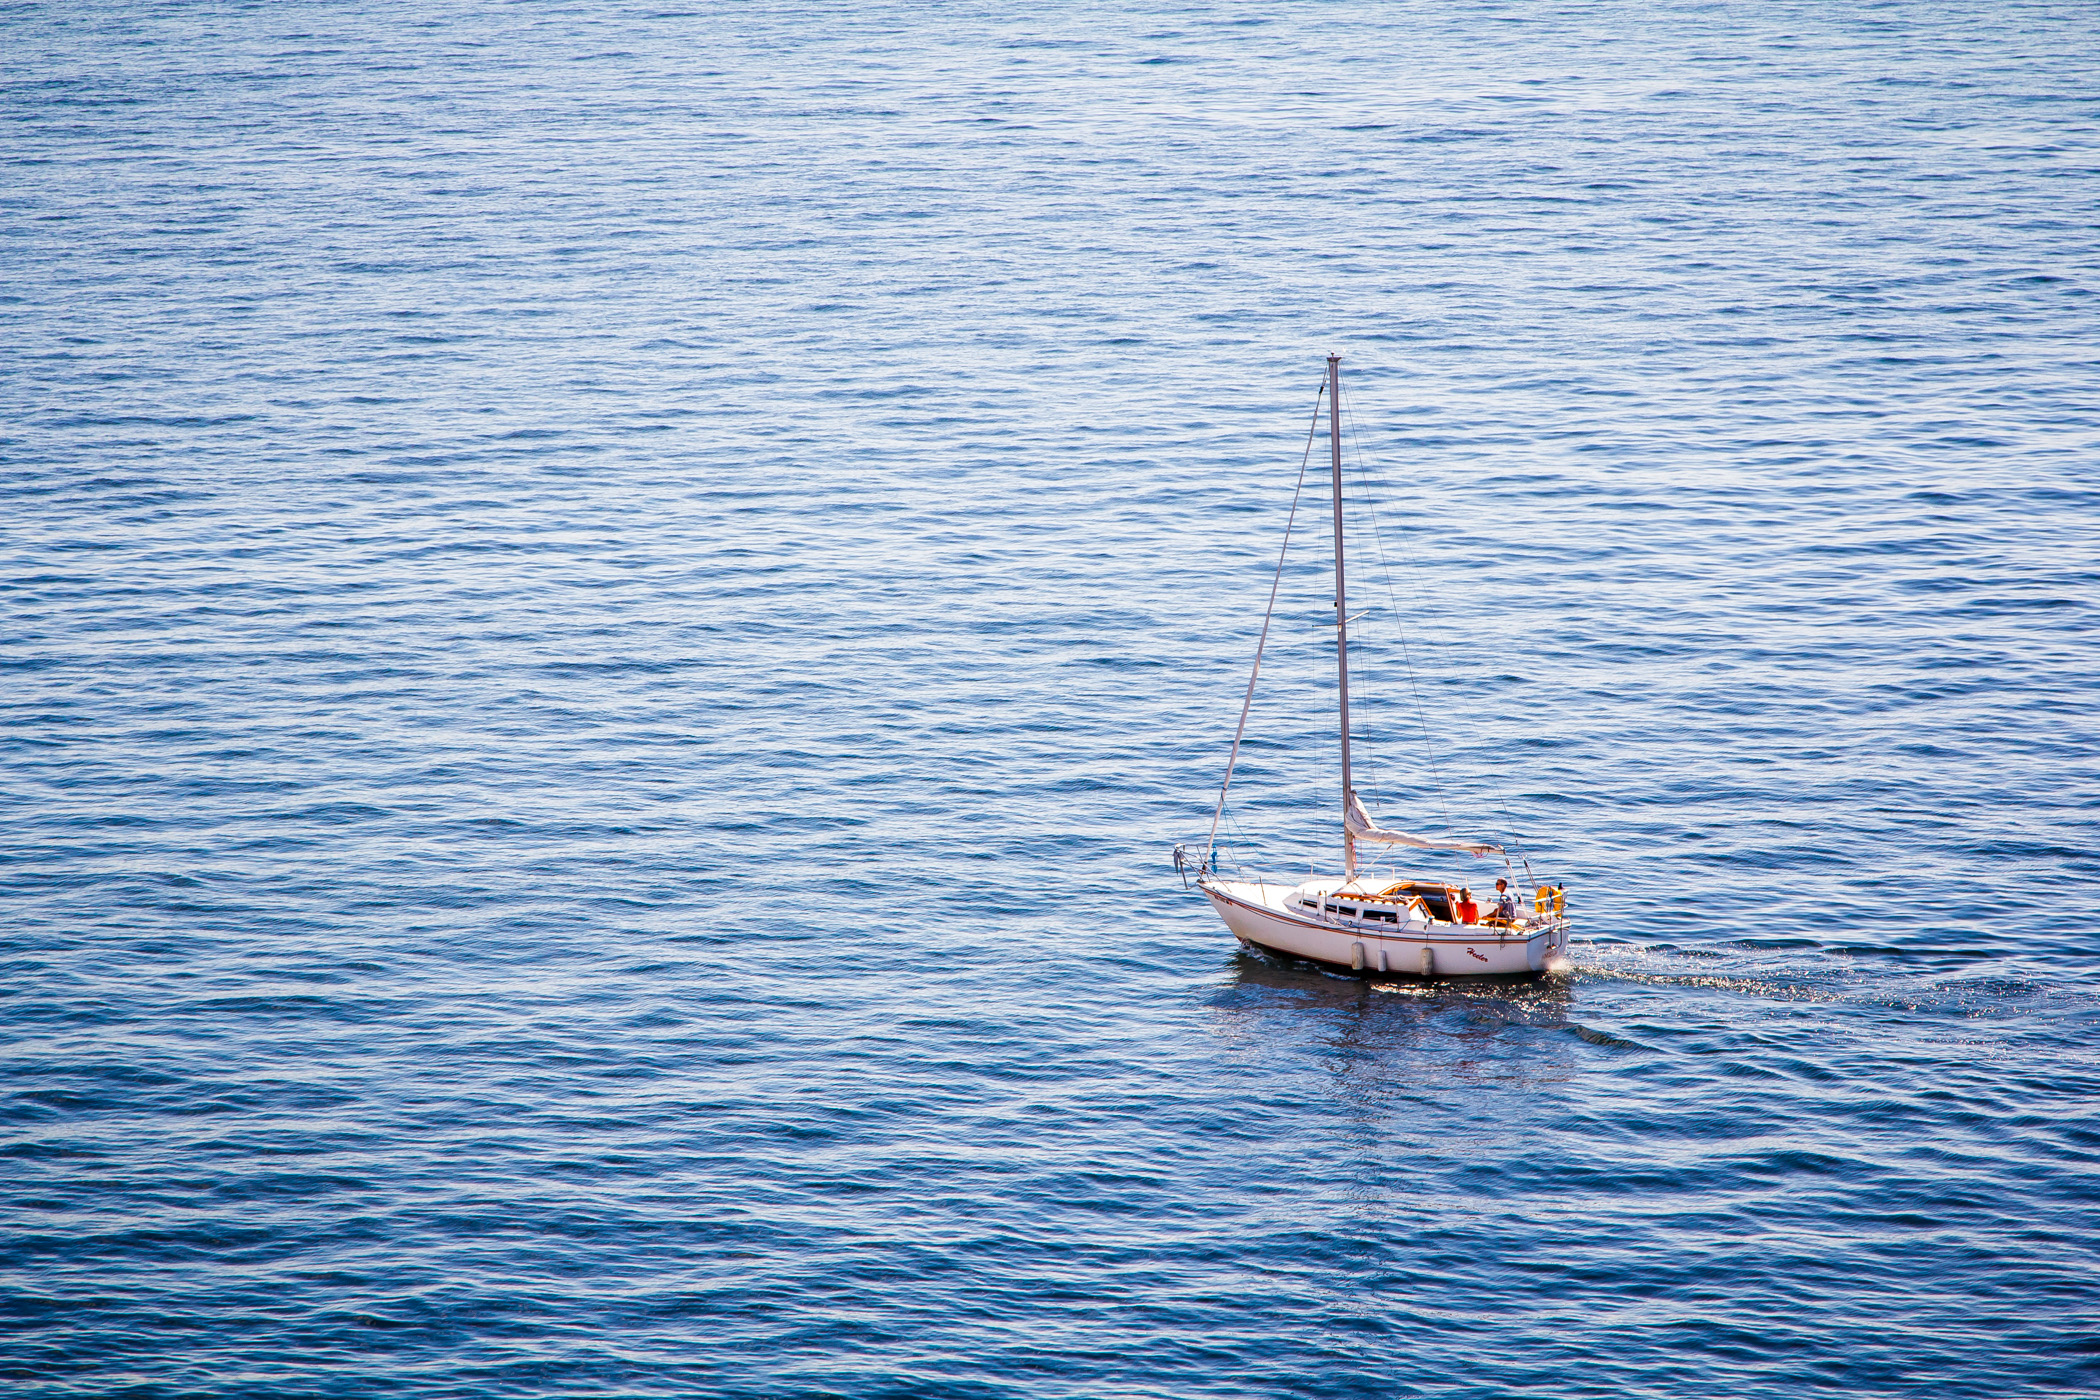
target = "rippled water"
x: 612, y: 614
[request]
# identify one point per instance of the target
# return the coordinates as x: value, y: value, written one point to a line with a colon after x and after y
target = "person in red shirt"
x: 1468, y: 912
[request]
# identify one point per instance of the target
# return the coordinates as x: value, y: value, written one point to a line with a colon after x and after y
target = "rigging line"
x: 1246, y: 705
x: 1238, y: 849
x: 1414, y: 686
x: 1406, y: 653
x: 1366, y: 482
x: 1509, y: 828
x: 1365, y: 479
x: 1237, y: 841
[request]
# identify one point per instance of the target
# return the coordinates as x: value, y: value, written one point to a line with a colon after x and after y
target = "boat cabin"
x: 1393, y: 903
x: 1367, y: 907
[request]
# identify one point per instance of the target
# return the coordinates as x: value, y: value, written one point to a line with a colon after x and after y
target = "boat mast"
x: 1341, y: 601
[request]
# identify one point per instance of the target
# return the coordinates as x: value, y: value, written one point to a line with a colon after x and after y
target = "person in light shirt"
x: 1505, y: 902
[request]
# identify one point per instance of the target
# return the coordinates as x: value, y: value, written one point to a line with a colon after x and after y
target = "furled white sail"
x: 1360, y: 825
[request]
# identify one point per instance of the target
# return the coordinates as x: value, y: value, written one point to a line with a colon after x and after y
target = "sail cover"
x: 1360, y: 825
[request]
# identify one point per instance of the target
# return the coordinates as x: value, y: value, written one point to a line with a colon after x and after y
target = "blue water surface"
x: 612, y: 613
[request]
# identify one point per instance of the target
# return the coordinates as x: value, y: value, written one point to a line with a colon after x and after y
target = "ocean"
x: 613, y: 613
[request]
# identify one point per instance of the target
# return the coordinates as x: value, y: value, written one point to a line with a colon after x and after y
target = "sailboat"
x: 1418, y: 924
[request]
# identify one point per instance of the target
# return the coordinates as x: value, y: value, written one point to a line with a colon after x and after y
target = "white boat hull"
x: 1258, y: 915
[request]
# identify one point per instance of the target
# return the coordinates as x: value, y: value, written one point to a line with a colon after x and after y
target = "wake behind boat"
x: 1423, y: 925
